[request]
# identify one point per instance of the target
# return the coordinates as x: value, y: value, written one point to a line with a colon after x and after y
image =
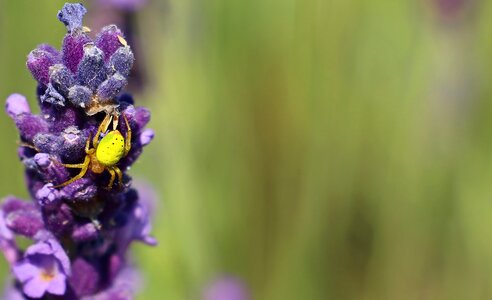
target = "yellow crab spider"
x: 105, y: 153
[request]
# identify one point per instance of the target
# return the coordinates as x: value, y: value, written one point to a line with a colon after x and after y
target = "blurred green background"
x: 315, y: 149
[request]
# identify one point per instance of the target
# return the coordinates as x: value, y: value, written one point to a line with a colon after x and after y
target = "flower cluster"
x: 81, y: 231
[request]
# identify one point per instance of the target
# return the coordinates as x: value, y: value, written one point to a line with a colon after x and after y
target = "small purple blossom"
x: 128, y: 5
x: 81, y: 230
x: 226, y: 288
x: 44, y: 269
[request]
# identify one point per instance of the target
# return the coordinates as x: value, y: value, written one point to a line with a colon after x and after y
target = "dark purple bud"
x: 110, y: 88
x: 39, y: 63
x: 146, y: 136
x: 85, y: 278
x: 80, y: 96
x: 82, y: 190
x: 30, y: 125
x: 49, y: 197
x: 69, y: 144
x: 91, y: 71
x: 61, y: 119
x: 72, y: 145
x: 52, y: 96
x: 122, y: 61
x: 16, y: 105
x: 46, y: 142
x: 61, y: 78
x: 73, y: 49
x: 86, y: 232
x: 72, y: 15
x: 26, y: 222
x: 58, y: 221
x: 126, y: 99
x: 109, y: 40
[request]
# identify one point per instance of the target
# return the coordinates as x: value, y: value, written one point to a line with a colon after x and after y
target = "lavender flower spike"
x: 81, y: 221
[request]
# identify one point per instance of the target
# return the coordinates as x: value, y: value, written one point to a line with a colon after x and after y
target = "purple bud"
x: 61, y: 119
x: 85, y: 233
x: 61, y: 78
x: 11, y: 204
x: 49, y: 197
x: 142, y: 116
x: 122, y: 61
x: 82, y: 190
x: 146, y: 136
x: 30, y: 125
x: 110, y: 88
x: 43, y: 160
x: 108, y: 40
x: 25, y: 222
x: 91, y: 71
x: 72, y: 15
x: 72, y: 145
x: 126, y: 99
x: 80, y: 96
x: 46, y: 142
x: 85, y: 278
x: 73, y: 49
x: 16, y: 105
x: 39, y: 63
x: 58, y: 221
x: 50, y: 49
x: 52, y: 96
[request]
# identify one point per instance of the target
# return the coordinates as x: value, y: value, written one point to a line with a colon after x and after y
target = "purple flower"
x: 226, y: 288
x: 45, y: 268
x: 76, y: 206
x: 129, y: 5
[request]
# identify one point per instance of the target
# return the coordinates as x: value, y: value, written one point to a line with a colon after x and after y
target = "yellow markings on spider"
x: 105, y: 153
x: 111, y: 148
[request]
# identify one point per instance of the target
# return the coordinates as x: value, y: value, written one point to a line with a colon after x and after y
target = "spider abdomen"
x: 111, y: 148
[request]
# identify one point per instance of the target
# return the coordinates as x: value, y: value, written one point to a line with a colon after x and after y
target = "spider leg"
x: 74, y: 166
x: 120, y: 176
x: 84, y: 166
x: 116, y: 119
x: 87, y: 144
x: 128, y: 138
x: 113, y: 175
x: 102, y: 128
x: 23, y: 144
